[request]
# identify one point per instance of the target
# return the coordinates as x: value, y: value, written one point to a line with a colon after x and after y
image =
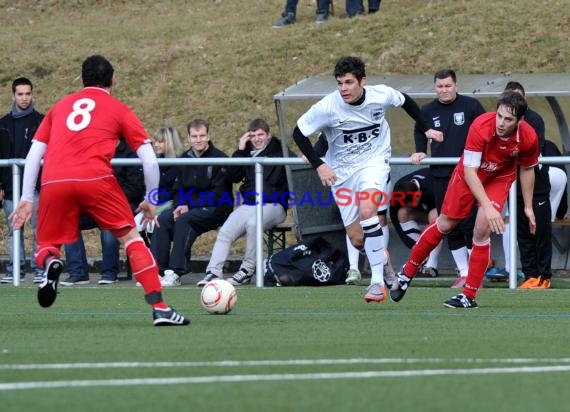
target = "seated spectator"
x: 166, y: 143
x: 131, y: 180
x: 288, y: 16
x: 417, y: 210
x: 256, y: 141
x: 203, y: 201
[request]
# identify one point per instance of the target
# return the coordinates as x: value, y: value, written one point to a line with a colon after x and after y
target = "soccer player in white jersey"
x: 356, y: 166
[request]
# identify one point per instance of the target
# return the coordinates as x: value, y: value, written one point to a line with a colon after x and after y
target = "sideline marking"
x: 279, y: 377
x: 284, y: 362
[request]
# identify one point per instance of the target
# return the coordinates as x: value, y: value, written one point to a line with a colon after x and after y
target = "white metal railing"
x: 258, y: 163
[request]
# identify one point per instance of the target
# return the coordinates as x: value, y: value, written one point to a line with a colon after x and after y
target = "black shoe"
x: 460, y: 301
x: 75, y: 280
x: 399, y: 287
x: 351, y: 15
x: 428, y: 272
x: 287, y: 19
x: 47, y: 291
x: 168, y: 317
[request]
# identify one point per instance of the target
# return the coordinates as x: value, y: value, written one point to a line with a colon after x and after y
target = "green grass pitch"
x: 286, y: 349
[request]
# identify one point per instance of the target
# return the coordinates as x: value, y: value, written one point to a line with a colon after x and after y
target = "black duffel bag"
x: 312, y: 263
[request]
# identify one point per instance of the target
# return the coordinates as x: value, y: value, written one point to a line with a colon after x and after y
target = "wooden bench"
x: 276, y: 237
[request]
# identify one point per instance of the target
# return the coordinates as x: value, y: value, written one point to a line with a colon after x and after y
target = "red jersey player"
x: 77, y: 140
x: 497, y: 142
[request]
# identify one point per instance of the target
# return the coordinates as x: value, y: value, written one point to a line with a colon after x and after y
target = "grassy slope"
x: 221, y: 60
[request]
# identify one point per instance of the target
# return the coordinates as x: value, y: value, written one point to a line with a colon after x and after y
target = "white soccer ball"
x: 218, y: 297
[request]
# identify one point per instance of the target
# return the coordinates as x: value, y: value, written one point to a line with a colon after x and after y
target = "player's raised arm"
x: 413, y: 110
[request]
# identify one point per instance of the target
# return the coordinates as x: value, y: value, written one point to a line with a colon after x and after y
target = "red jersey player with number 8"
x: 77, y: 140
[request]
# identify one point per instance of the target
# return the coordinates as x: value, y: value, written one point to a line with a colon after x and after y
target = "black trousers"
x: 462, y: 234
x: 182, y: 233
x: 535, y: 250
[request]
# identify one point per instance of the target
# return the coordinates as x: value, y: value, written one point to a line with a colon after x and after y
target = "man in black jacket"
x: 18, y: 129
x: 256, y: 141
x: 203, y: 202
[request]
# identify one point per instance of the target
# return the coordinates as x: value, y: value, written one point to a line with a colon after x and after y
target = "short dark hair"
x: 352, y: 65
x: 409, y: 188
x: 198, y: 123
x: 444, y: 74
x: 515, y: 101
x: 97, y: 71
x: 258, y: 123
x: 514, y: 86
x: 21, y: 81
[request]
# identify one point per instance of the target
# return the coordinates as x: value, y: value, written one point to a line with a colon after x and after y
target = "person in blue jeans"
x: 288, y: 16
x: 76, y: 257
x: 17, y: 129
x: 355, y: 7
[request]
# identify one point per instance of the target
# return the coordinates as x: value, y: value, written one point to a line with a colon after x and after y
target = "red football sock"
x: 44, y: 252
x: 145, y: 271
x: 478, y: 262
x: 429, y: 239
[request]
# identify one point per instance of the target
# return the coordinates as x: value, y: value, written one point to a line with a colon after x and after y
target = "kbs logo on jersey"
x: 361, y: 135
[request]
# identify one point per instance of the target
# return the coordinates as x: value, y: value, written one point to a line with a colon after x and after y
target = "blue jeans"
x: 322, y: 6
x: 76, y: 257
x: 182, y: 234
x: 354, y: 7
x: 8, y: 206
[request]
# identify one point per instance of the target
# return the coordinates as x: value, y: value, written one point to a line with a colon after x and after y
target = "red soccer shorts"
x: 62, y: 203
x: 459, y: 199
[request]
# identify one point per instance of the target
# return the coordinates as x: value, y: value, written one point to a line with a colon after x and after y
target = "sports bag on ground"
x: 312, y: 263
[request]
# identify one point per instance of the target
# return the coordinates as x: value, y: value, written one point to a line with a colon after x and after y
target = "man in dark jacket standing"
x: 256, y: 141
x: 18, y: 129
x: 203, y: 202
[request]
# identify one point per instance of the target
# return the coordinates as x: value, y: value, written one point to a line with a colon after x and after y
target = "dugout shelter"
x: 547, y: 93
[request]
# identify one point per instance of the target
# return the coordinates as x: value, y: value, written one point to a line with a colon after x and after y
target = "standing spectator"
x: 496, y: 144
x: 256, y: 141
x: 558, y: 182
x: 357, y: 161
x: 19, y: 127
x: 131, y: 181
x: 452, y: 114
x: 356, y: 7
x: 288, y: 16
x: 192, y: 215
x: 79, y: 136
